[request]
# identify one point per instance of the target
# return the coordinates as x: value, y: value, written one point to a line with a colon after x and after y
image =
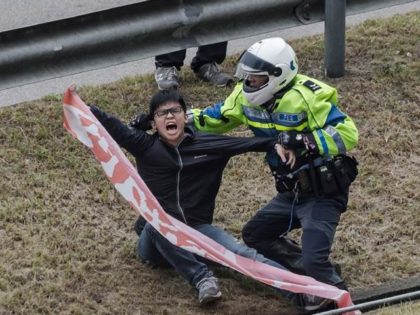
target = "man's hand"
x: 287, y: 156
x: 141, y: 122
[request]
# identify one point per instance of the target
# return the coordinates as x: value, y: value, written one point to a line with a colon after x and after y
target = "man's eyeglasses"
x: 172, y: 110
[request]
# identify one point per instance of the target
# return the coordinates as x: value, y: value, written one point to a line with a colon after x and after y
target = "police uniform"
x: 313, y: 202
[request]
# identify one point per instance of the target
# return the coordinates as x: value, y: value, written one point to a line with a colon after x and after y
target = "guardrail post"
x: 335, y: 24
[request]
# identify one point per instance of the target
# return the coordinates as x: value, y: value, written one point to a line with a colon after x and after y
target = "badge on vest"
x: 311, y: 85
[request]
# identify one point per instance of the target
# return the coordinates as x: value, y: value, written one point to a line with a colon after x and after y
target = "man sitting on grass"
x: 183, y: 169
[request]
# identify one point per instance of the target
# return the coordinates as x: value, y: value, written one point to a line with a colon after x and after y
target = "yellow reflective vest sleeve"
x: 221, y: 117
x: 334, y: 132
x: 310, y: 106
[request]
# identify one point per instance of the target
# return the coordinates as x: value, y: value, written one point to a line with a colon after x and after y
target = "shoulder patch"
x: 311, y: 85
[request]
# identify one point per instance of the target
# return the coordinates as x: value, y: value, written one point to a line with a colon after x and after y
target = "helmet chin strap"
x: 270, y: 105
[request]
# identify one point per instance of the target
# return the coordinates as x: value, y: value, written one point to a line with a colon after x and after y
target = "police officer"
x: 313, y: 176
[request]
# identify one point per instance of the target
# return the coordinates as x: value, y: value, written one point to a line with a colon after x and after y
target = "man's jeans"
x: 156, y: 250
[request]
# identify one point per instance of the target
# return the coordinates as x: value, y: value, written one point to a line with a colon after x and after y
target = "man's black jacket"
x: 184, y: 179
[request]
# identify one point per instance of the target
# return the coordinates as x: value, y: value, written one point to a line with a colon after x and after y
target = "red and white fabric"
x: 84, y: 126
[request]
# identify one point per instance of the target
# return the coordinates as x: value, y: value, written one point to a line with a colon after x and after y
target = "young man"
x: 183, y: 169
x: 274, y: 100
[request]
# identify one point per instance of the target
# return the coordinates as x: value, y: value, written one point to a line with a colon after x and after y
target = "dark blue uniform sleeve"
x: 133, y: 140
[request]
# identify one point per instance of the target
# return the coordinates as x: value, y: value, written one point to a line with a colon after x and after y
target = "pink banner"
x: 84, y: 126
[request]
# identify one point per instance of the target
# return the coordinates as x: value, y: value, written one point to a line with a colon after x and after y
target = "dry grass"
x: 67, y: 244
x: 403, y: 309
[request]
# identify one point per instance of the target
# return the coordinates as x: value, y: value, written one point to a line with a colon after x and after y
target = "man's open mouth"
x: 171, y: 126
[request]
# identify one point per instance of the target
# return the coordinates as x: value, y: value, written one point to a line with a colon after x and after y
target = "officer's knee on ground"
x: 248, y: 236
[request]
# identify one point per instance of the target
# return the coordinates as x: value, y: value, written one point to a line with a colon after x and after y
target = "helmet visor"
x: 253, y: 64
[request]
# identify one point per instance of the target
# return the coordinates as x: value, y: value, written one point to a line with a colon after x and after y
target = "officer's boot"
x: 342, y: 285
x: 287, y: 253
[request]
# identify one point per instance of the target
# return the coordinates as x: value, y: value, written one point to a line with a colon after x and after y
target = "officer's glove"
x: 293, y: 140
x: 141, y: 122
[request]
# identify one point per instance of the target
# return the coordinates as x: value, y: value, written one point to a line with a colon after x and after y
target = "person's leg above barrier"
x: 208, y: 54
x: 205, y: 64
x: 167, y: 67
x: 173, y: 59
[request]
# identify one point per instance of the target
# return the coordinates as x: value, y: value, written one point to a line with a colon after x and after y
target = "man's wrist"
x: 296, y: 140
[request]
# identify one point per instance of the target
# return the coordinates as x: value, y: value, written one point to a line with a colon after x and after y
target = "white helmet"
x: 272, y: 57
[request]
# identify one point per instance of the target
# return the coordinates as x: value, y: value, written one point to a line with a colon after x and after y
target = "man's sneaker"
x: 167, y: 78
x: 208, y: 290
x: 311, y: 303
x: 210, y: 72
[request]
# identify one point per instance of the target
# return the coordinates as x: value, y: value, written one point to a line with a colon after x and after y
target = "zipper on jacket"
x: 178, y: 179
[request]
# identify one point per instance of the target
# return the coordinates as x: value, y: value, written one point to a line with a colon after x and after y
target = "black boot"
x: 342, y: 285
x: 287, y: 253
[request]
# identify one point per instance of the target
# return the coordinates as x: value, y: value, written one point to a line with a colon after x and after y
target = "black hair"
x: 164, y: 96
x: 143, y: 121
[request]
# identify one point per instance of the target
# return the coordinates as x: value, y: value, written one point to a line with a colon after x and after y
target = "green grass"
x: 67, y: 244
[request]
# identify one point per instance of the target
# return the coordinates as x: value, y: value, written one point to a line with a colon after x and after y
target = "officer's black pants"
x: 317, y: 216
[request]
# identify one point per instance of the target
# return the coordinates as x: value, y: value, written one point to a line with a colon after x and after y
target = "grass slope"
x: 67, y: 244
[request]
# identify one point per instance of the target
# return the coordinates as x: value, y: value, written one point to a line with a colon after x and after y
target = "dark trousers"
x: 205, y: 54
x: 317, y: 216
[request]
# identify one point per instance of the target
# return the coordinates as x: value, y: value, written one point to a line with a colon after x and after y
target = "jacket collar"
x: 189, y: 134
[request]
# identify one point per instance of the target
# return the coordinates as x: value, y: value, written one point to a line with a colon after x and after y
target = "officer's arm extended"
x: 221, y: 117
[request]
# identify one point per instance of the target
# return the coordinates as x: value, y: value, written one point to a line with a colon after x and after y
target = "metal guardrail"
x: 375, y: 304
x: 383, y: 295
x: 148, y: 28
x: 334, y: 35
